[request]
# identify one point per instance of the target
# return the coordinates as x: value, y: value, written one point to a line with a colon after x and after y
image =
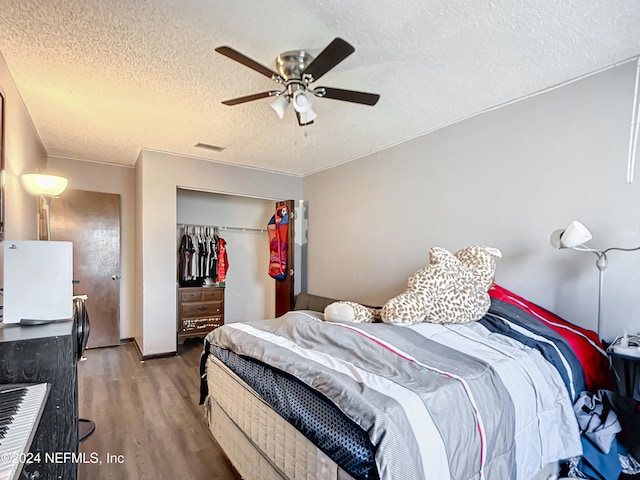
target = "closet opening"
x: 247, y: 290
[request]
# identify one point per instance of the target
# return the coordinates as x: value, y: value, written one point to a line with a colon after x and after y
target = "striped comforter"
x: 486, y: 400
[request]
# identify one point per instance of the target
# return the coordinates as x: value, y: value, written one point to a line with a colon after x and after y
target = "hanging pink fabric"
x: 278, y: 228
x: 223, y: 261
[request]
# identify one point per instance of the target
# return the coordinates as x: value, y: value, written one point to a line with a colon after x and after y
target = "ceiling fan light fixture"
x: 302, y: 101
x: 308, y: 116
x: 280, y: 104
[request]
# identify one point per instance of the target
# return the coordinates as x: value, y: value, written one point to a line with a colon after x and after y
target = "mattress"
x: 403, y: 401
x: 260, y: 443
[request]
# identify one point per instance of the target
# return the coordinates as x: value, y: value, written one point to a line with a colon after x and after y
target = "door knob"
x: 115, y: 277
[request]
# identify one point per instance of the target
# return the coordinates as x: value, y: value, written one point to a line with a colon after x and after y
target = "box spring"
x: 260, y: 443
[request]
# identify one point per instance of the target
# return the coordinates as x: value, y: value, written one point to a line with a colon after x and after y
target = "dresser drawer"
x: 190, y: 295
x: 201, y: 295
x: 208, y: 309
x: 215, y: 295
x: 205, y: 325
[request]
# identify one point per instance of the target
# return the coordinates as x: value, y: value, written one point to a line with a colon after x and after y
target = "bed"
x: 297, y: 397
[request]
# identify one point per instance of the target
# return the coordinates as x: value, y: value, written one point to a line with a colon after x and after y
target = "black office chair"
x: 83, y: 327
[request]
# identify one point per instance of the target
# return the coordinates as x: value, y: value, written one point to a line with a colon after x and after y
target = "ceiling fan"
x: 297, y: 70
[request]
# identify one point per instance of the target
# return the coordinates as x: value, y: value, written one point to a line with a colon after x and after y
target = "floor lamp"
x: 48, y: 187
x: 575, y: 236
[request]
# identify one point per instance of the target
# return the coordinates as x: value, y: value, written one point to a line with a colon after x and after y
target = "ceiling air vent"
x: 206, y: 146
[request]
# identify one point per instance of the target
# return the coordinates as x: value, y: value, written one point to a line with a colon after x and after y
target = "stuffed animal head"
x: 481, y: 262
x: 451, y: 289
x: 442, y: 265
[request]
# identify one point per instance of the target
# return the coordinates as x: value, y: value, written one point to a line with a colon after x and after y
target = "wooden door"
x: 284, y: 288
x: 91, y: 221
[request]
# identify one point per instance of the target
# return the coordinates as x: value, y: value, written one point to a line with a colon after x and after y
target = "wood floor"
x: 148, y: 421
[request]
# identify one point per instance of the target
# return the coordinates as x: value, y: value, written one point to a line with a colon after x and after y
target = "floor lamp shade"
x: 42, y: 184
x: 46, y: 186
x: 572, y: 236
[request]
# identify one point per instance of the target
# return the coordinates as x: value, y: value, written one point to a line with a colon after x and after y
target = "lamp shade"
x: 42, y: 184
x: 307, y: 117
x: 302, y: 101
x: 280, y: 105
x: 572, y: 236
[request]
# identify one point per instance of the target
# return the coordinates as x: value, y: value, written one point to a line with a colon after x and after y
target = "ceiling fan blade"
x: 348, y: 95
x: 251, y: 98
x: 328, y: 58
x: 248, y: 62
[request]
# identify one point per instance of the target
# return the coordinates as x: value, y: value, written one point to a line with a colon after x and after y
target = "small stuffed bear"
x: 451, y: 289
x: 351, y: 312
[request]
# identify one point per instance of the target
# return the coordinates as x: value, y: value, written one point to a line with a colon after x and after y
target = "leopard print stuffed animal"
x: 451, y: 289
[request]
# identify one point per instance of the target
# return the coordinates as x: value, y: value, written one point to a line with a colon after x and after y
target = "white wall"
x: 98, y: 177
x: 158, y: 175
x: 249, y: 290
x: 507, y: 179
x: 23, y: 153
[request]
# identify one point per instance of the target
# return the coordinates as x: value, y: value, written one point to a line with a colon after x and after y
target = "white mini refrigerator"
x: 38, y: 281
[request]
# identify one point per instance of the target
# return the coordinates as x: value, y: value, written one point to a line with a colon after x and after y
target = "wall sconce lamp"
x: 575, y: 236
x: 46, y: 186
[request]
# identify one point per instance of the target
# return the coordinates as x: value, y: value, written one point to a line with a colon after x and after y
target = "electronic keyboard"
x: 21, y: 407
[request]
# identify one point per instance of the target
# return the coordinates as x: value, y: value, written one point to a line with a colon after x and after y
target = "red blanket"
x: 585, y: 343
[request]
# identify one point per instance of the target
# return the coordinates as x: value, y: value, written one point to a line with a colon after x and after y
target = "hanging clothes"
x: 278, y: 228
x: 206, y: 263
x: 202, y: 254
x: 184, y: 255
x: 187, y: 253
x: 213, y: 260
x: 223, y: 261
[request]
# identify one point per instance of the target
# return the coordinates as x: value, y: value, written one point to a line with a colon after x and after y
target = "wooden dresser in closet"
x: 200, y: 310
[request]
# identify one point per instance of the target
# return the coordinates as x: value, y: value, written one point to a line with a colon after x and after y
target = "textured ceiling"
x: 103, y: 79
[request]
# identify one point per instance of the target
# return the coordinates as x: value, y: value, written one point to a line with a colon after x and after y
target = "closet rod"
x: 235, y: 229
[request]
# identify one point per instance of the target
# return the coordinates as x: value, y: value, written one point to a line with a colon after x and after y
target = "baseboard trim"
x: 158, y: 355
x: 153, y: 356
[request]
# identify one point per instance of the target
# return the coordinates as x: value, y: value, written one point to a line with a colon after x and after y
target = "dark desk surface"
x: 46, y: 354
x: 623, y: 356
x: 14, y: 332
